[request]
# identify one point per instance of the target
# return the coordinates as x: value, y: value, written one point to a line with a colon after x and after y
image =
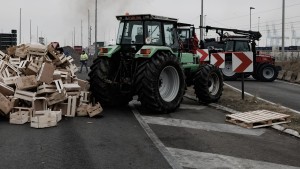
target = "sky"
x: 56, y: 19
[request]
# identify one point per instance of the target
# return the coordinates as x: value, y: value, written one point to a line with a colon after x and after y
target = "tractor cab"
x: 187, y: 37
x: 136, y: 31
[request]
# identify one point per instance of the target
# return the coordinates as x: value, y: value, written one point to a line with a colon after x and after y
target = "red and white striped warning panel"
x: 218, y: 59
x: 203, y: 54
x: 242, y: 62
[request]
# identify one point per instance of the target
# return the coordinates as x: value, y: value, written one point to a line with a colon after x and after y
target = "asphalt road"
x: 194, y: 136
x: 279, y: 92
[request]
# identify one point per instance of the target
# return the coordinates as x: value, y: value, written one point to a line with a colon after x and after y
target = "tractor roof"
x: 184, y: 24
x: 144, y: 17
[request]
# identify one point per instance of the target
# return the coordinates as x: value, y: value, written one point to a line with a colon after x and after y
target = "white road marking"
x: 201, y: 160
x: 290, y: 83
x: 171, y: 160
x: 236, y: 89
x: 225, y: 128
x: 192, y: 107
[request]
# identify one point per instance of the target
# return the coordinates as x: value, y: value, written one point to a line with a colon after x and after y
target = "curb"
x: 229, y: 110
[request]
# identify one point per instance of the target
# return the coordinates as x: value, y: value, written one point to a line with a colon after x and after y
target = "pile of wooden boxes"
x: 38, y: 85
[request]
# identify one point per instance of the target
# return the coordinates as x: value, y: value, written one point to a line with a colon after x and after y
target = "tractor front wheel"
x: 208, y: 84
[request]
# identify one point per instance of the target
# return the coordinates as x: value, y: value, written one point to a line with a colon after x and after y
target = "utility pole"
x: 201, y: 21
x: 251, y: 16
x: 81, y: 34
x: 37, y: 34
x: 74, y: 37
x: 20, y: 38
x: 283, y: 28
x: 30, y: 38
x: 96, y: 11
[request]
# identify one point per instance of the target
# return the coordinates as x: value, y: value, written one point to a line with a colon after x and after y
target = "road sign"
x: 218, y: 59
x: 242, y: 62
x: 203, y: 53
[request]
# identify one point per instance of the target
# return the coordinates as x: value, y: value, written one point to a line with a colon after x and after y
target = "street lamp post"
x: 250, y: 15
x: 283, y: 28
x: 258, y: 27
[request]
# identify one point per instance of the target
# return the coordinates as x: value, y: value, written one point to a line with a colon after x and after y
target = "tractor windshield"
x: 130, y: 32
x: 140, y: 32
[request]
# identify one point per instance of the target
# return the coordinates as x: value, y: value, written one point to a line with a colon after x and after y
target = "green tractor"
x: 149, y: 61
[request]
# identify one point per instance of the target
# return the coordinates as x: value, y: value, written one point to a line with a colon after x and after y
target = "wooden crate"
x: 20, y: 115
x: 25, y: 95
x: 94, y: 110
x: 10, y: 81
x: 43, y: 119
x: 39, y: 104
x: 57, y: 98
x: 46, y: 89
x: 8, y: 70
x: 59, y: 85
x: 82, y: 110
x: 15, y: 61
x: 46, y: 73
x: 32, y: 69
x: 61, y: 59
x: 84, y: 85
x: 26, y: 82
x: 72, y: 104
x: 84, y: 97
x: 5, y: 104
x: 21, y: 51
x: 6, y: 90
x: 256, y: 119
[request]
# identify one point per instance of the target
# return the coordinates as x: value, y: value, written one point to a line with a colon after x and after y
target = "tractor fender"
x: 149, y: 51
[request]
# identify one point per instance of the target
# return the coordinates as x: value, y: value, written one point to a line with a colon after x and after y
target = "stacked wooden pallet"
x: 38, y: 85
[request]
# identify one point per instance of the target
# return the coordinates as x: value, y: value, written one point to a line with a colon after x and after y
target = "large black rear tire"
x: 208, y: 84
x: 160, y: 82
x: 267, y: 73
x: 101, y: 85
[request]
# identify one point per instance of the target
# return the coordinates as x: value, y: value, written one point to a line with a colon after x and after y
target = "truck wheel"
x: 101, y: 85
x: 267, y: 73
x: 208, y: 84
x: 161, y: 85
x: 227, y: 72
